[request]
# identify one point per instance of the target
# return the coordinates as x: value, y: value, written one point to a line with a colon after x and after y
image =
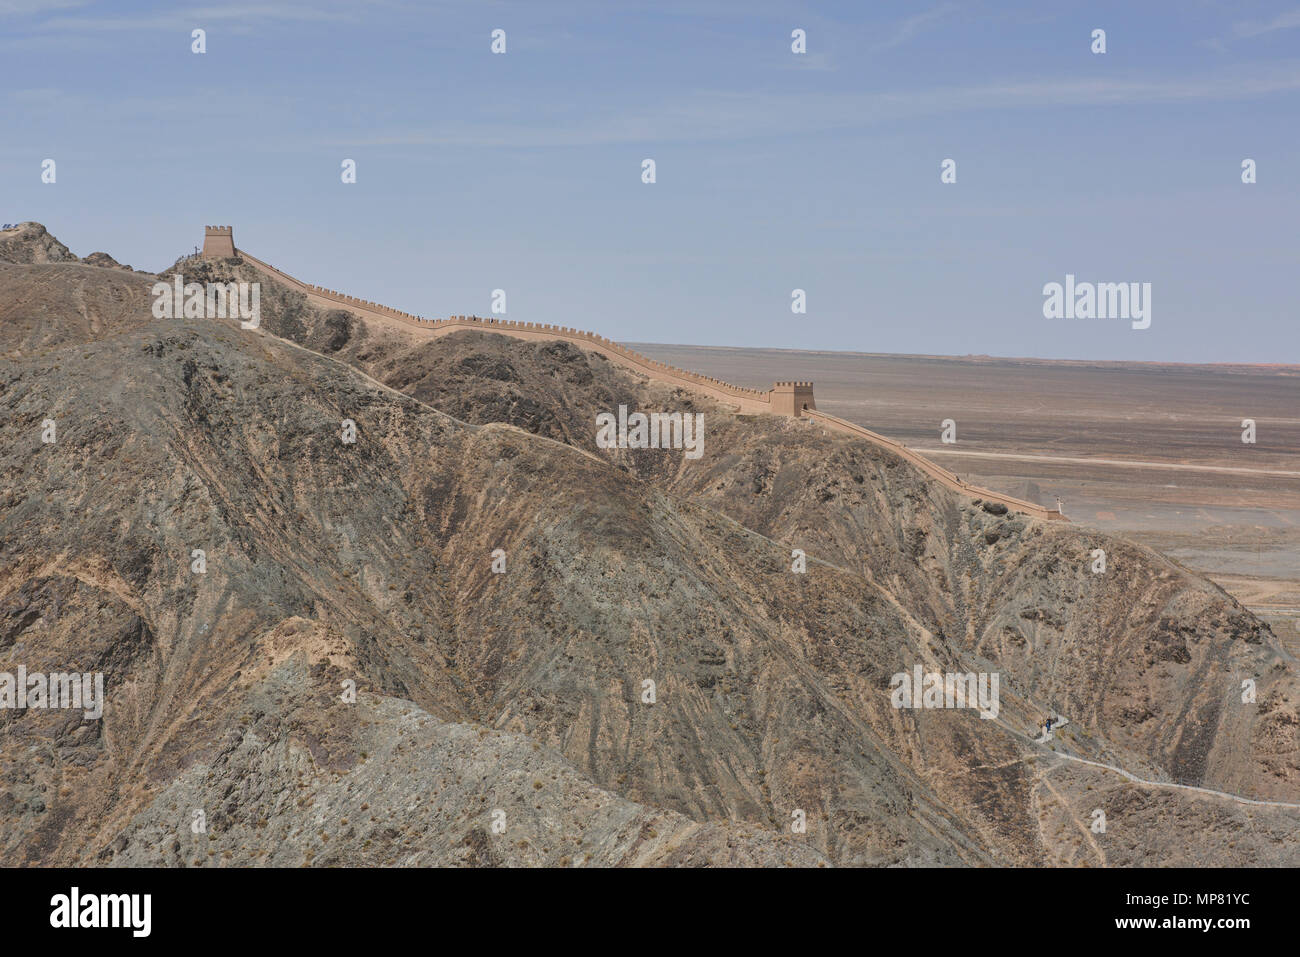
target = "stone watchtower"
x: 791, y: 398
x: 218, y: 242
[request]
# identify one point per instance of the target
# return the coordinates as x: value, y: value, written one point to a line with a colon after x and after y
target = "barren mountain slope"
x: 1146, y: 655
x: 357, y: 560
x: 31, y: 243
x: 371, y: 561
x: 170, y: 439
x: 45, y: 306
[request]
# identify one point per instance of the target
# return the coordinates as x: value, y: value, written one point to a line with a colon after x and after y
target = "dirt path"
x: 1083, y: 826
x: 1128, y: 775
x: 1182, y: 787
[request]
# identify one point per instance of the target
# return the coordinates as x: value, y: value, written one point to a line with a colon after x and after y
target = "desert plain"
x: 1150, y: 451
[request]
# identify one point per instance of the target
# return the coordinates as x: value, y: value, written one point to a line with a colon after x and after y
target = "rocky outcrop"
x: 105, y: 261
x: 30, y: 244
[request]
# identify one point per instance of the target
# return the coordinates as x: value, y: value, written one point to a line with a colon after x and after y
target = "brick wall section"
x: 792, y: 398
x: 743, y: 399
x: 785, y: 398
x: 218, y: 242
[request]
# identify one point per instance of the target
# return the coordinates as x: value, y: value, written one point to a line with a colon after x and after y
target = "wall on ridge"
x: 218, y: 242
x: 742, y: 399
x: 936, y: 472
x: 797, y: 396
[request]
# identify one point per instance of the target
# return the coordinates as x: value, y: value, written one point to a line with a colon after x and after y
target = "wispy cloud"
x: 22, y: 8
x: 724, y: 115
x: 187, y: 17
x: 1255, y: 28
x: 816, y: 62
x: 910, y: 27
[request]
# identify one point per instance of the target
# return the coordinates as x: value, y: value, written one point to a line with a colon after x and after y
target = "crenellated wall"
x: 218, y: 242
x: 794, y: 399
x: 742, y: 399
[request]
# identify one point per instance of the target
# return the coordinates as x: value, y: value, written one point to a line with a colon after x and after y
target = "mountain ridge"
x: 373, y: 562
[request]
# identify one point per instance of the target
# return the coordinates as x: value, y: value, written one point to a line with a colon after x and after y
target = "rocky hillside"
x: 29, y: 243
x: 507, y: 716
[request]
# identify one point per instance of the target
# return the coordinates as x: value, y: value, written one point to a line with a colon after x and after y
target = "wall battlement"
x: 793, y: 399
x: 218, y: 242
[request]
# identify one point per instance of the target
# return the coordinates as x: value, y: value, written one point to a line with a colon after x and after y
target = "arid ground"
x: 1152, y: 452
x: 278, y: 548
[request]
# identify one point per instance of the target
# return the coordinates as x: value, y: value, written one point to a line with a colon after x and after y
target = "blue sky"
x: 775, y: 171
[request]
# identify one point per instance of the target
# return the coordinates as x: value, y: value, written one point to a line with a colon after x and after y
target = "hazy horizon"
x: 775, y: 170
x: 966, y: 356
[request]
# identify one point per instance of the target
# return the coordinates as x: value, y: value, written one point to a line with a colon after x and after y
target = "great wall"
x: 794, y: 399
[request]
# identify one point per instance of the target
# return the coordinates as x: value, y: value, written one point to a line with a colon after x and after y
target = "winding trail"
x: 1145, y: 782
x: 1169, y: 784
